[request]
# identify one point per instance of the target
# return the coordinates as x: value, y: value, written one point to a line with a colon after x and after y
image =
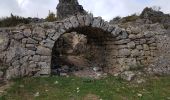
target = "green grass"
x: 110, y: 88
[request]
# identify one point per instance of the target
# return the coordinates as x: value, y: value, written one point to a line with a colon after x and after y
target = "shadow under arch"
x: 95, y: 53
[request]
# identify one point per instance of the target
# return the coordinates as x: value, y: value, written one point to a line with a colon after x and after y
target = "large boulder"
x: 67, y: 8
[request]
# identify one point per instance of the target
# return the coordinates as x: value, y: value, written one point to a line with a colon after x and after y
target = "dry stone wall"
x: 27, y: 49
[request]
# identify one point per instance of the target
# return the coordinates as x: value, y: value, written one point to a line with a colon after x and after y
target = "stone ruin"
x: 83, y: 45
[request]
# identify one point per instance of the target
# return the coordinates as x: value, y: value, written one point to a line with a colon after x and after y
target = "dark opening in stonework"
x: 81, y: 51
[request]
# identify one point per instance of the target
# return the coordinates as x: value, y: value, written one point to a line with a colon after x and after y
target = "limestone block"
x: 135, y: 30
x: 16, y: 63
x: 32, y: 65
x: 39, y: 32
x: 122, y: 46
x: 152, y: 48
x: 43, y: 51
x: 97, y: 22
x: 27, y: 32
x: 49, y: 43
x: 148, y: 34
x: 29, y: 45
x: 121, y: 34
x: 67, y: 24
x: 145, y: 47
x: 45, y: 71
x: 126, y: 63
x: 30, y: 52
x: 153, y: 44
x: 12, y: 72
x: 124, y: 52
x: 105, y: 25
x: 11, y: 54
x: 127, y: 75
x: 151, y: 40
x: 142, y: 41
x: 24, y: 40
x: 135, y: 53
x: 36, y: 58
x: 56, y: 36
x: 139, y: 47
x: 24, y: 69
x: 31, y: 41
x: 147, y: 53
x: 18, y: 36
x: 123, y: 41
x: 110, y: 28
x: 4, y: 41
x: 81, y: 20
x: 132, y: 36
x: 45, y: 58
x: 43, y: 65
x: 88, y: 19
x: 117, y: 32
x: 140, y: 35
x: 74, y: 21
x: 131, y: 45
x: 24, y: 59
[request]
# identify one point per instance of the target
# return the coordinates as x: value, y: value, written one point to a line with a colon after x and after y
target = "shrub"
x: 51, y: 17
x: 13, y: 21
x: 130, y: 18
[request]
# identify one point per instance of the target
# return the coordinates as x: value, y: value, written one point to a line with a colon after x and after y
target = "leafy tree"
x: 51, y: 17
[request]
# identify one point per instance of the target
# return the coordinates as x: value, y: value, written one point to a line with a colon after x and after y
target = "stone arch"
x: 78, y: 23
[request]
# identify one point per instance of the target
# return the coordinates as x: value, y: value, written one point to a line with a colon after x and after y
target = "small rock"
x: 124, y: 52
x: 131, y: 45
x: 63, y: 74
x: 132, y: 36
x: 135, y: 53
x: 139, y: 95
x: 127, y: 75
x: 96, y: 69
x: 98, y: 74
x: 139, y: 81
x: 116, y: 74
x: 21, y: 86
x: 36, y: 94
x: 145, y: 47
x: 56, y: 82
x: 139, y: 47
x: 78, y: 89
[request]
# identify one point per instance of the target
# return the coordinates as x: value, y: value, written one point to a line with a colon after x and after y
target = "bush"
x: 13, y: 21
x: 51, y: 17
x: 130, y: 18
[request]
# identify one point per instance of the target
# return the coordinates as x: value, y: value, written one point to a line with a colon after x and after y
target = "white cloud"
x: 105, y: 8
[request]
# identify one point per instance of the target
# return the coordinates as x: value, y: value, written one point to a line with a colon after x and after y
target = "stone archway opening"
x: 82, y: 51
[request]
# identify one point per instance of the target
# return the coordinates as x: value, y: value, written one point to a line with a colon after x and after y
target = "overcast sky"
x: 105, y: 8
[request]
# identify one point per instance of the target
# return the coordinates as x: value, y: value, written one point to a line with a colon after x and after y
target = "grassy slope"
x: 107, y: 89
